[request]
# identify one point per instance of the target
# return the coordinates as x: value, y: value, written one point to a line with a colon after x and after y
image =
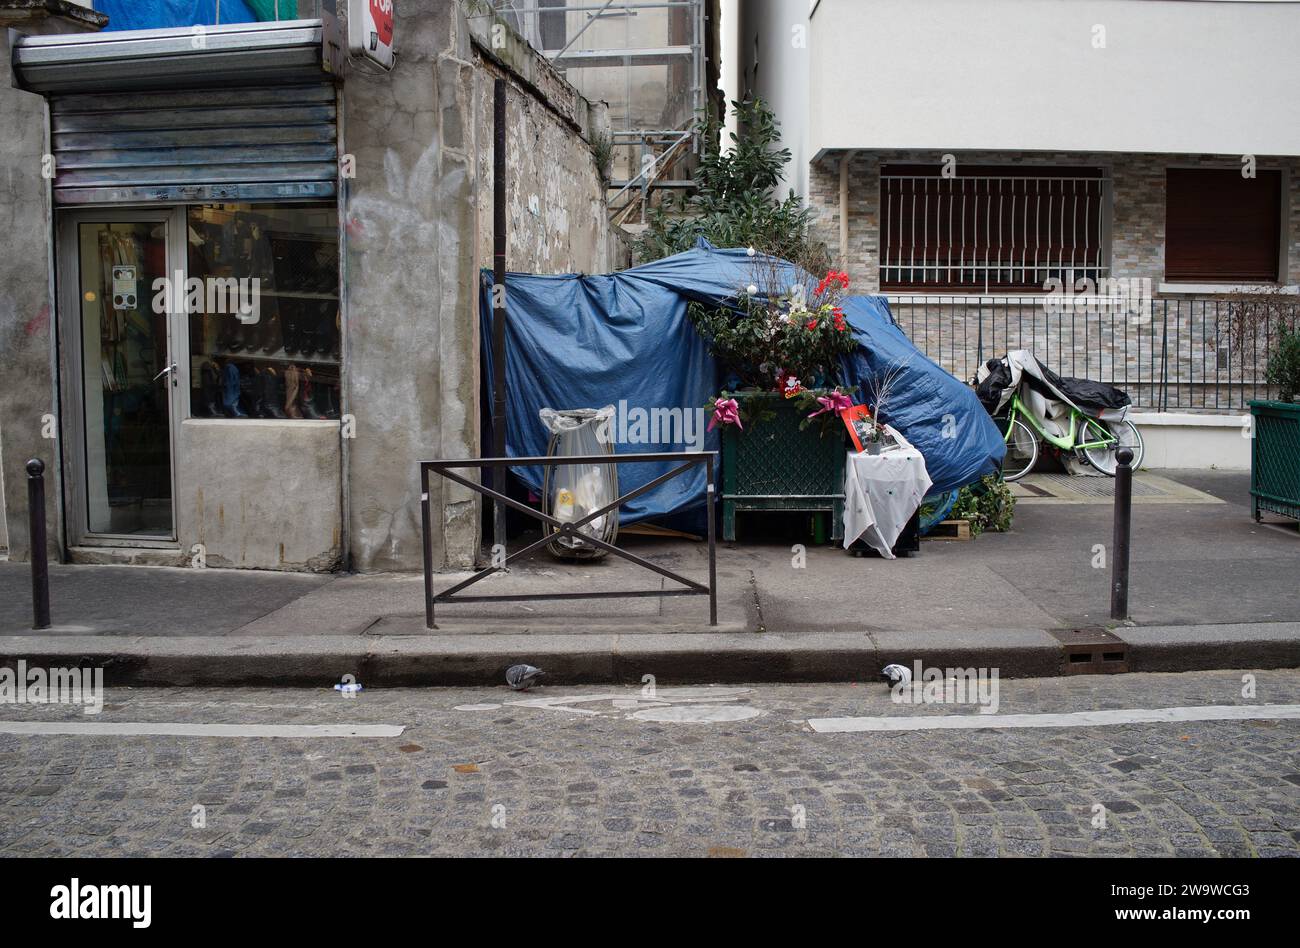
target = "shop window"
x: 264, y: 311
x: 980, y: 229
x: 1221, y: 227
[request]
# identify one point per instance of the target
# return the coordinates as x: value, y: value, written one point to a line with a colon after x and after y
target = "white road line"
x: 88, y: 729
x: 934, y: 722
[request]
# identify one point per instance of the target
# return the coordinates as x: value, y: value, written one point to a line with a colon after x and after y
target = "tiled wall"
x: 1138, y: 186
x: 1178, y: 355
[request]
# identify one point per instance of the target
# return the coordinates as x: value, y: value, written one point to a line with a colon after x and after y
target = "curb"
x: 730, y: 658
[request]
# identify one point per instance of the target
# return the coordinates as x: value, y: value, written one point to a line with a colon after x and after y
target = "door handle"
x: 172, y: 369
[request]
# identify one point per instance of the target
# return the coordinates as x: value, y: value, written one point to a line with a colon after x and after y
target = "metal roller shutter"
x: 249, y: 144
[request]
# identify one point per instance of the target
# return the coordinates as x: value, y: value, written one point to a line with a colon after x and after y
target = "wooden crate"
x: 950, y: 530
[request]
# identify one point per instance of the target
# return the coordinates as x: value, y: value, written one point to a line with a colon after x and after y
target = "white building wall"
x: 774, y: 63
x: 1177, y: 76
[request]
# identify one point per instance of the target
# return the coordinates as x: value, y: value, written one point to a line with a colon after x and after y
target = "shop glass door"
x: 128, y: 377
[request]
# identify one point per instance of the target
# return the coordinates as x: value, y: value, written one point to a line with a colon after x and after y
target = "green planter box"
x: 772, y: 465
x: 1275, y: 458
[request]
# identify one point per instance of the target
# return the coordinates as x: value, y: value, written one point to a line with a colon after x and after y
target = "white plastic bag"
x: 572, y: 491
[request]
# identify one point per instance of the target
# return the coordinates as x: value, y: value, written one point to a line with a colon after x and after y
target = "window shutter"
x: 1221, y: 227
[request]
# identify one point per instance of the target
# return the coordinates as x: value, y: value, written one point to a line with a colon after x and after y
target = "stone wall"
x: 1137, y: 183
x: 28, y: 402
x: 1178, y: 353
x: 418, y: 221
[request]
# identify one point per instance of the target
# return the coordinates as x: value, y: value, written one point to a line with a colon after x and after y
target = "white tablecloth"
x: 881, y: 492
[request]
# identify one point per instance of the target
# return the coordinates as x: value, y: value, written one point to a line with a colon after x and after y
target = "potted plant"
x: 1275, y: 430
x: 880, y: 387
x: 779, y: 344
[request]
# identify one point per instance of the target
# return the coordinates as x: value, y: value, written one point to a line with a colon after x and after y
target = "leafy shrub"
x: 988, y: 504
x: 1284, y: 365
x: 734, y: 203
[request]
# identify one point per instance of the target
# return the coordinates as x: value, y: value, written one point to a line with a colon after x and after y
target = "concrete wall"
x: 417, y: 220
x: 261, y: 494
x: 555, y: 216
x: 27, y: 395
x: 1173, y: 75
x: 1187, y: 441
x: 774, y: 65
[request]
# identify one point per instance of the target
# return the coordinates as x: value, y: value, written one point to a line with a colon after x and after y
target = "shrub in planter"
x: 1284, y: 365
x: 780, y: 344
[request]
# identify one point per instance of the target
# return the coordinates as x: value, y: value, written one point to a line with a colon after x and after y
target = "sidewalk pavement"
x: 1210, y: 589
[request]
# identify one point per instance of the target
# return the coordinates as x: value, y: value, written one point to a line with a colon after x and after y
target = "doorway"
x: 121, y: 360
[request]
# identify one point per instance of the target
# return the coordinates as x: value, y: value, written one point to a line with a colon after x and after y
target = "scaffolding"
x: 647, y: 62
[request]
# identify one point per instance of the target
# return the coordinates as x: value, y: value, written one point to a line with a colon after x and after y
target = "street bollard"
x: 1123, y: 516
x: 40, y: 561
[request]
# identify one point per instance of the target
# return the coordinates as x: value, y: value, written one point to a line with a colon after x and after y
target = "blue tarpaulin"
x: 158, y: 14
x: 625, y: 339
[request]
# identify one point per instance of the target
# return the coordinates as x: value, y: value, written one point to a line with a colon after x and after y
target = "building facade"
x: 1107, y: 183
x: 240, y: 281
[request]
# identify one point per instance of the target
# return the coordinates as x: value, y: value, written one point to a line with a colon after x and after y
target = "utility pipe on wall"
x: 845, y: 162
x: 499, y: 475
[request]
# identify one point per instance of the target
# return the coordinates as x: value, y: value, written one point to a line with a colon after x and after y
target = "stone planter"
x: 772, y: 465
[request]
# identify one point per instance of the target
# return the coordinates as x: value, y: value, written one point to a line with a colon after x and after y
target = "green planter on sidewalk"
x: 1275, y: 458
x: 772, y: 465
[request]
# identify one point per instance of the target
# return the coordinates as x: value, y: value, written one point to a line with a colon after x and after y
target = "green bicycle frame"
x: 1067, y: 442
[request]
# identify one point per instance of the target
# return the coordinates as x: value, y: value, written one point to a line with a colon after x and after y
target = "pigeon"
x: 522, y: 677
x: 896, y: 674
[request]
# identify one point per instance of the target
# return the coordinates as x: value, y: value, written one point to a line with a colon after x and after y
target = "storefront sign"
x: 370, y: 31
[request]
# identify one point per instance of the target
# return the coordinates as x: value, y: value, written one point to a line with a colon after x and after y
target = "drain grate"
x: 1091, y: 651
x: 1094, y: 486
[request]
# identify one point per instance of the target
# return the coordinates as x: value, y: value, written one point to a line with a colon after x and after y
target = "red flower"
x: 812, y: 324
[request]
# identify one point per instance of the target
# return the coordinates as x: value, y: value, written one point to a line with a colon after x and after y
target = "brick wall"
x: 1137, y: 181
x: 1179, y: 354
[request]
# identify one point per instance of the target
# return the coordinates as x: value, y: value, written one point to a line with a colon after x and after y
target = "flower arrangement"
x: 879, y: 388
x: 782, y: 335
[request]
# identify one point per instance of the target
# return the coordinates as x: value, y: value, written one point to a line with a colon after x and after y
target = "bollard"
x: 1123, y: 516
x: 40, y: 560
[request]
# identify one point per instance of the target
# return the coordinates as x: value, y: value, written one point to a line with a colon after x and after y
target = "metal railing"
x: 1169, y: 354
x: 567, y: 528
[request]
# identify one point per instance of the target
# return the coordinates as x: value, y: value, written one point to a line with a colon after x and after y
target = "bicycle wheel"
x: 1022, y: 450
x: 1126, y: 435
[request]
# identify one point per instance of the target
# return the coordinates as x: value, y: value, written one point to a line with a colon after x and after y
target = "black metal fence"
x: 573, y: 528
x: 1169, y: 354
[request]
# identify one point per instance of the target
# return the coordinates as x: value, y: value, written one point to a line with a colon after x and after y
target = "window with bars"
x: 991, y: 228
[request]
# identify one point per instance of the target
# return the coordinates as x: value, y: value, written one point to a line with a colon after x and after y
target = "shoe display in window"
x: 292, y: 393
x: 272, y: 394
x: 210, y: 391
x: 230, y: 380
x: 309, y: 396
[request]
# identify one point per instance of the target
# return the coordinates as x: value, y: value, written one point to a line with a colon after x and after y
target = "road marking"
x: 934, y: 722
x: 87, y: 729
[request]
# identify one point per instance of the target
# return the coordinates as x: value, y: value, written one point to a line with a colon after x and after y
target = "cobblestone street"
x: 698, y: 772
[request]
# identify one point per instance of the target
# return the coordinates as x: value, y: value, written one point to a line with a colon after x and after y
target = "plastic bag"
x: 572, y: 491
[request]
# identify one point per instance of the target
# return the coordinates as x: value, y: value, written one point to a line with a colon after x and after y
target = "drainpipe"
x: 845, y: 161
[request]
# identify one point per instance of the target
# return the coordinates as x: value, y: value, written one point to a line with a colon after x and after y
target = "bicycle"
x: 1022, y: 433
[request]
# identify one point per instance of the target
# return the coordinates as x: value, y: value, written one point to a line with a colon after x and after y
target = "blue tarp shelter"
x: 160, y: 14
x: 624, y: 339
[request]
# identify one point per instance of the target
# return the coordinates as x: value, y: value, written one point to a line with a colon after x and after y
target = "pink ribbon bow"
x: 725, y: 412
x: 834, y: 402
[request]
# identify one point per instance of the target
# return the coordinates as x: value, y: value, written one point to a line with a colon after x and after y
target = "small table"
x: 881, y: 492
